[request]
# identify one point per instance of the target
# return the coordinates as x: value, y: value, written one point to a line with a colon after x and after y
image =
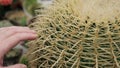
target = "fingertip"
x: 17, y: 66
x: 25, y: 36
x: 33, y: 31
x: 21, y: 66
x: 24, y: 66
x: 33, y: 36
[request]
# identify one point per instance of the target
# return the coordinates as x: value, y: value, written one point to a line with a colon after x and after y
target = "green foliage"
x: 30, y: 6
x: 23, y: 21
x: 24, y: 60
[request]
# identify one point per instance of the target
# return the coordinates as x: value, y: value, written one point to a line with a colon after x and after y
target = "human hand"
x: 9, y: 37
x: 5, y: 2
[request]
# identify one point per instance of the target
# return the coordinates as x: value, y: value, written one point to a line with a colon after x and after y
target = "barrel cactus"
x: 77, y: 34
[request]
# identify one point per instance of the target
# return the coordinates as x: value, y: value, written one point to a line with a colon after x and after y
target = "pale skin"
x: 9, y: 37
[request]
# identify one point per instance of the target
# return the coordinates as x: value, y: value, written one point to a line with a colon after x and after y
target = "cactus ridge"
x: 70, y: 39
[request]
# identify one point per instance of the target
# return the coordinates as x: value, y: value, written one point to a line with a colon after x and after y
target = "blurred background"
x: 19, y: 13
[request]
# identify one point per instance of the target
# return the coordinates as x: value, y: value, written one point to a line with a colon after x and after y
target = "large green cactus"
x: 77, y: 34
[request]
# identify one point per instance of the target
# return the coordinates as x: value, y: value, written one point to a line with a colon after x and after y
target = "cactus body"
x: 77, y: 34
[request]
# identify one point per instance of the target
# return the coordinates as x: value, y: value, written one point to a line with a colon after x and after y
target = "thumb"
x: 17, y: 66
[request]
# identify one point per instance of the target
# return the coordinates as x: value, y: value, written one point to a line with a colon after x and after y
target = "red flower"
x: 5, y: 2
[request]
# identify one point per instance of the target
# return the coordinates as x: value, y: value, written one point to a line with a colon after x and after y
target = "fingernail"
x: 33, y: 31
x: 36, y: 35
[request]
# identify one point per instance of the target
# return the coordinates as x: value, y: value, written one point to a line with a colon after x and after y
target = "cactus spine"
x: 77, y: 34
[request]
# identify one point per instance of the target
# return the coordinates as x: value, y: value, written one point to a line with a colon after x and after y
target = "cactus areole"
x: 77, y: 34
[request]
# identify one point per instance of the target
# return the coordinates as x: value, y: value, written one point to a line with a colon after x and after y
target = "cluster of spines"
x: 67, y: 41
